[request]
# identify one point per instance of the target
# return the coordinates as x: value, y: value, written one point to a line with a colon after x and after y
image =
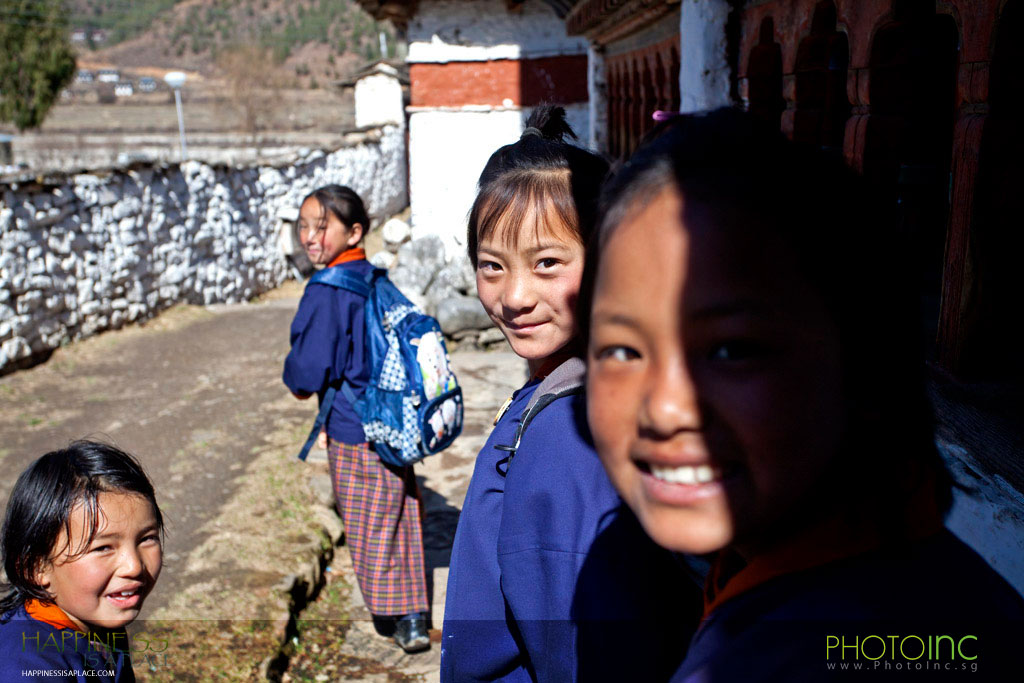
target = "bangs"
x: 88, y: 502
x: 523, y: 207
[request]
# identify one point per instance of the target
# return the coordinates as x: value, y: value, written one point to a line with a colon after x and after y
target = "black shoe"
x: 411, y: 633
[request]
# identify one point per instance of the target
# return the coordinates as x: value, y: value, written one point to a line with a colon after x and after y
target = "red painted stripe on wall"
x: 526, y: 82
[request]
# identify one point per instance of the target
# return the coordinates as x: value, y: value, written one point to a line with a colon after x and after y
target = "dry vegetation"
x: 312, y: 42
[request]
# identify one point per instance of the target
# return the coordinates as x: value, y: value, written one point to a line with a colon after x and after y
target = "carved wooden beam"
x: 604, y: 21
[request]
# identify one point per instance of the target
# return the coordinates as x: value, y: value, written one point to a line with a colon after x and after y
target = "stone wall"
x: 84, y: 253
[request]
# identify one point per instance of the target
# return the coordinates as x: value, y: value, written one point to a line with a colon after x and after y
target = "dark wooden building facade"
x: 919, y: 96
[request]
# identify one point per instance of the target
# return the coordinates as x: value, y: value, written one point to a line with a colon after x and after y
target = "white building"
x: 381, y: 92
x: 476, y: 70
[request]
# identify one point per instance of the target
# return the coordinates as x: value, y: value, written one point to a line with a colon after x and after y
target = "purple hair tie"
x: 660, y: 115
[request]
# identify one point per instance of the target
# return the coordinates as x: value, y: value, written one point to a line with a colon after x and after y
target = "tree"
x: 36, y: 59
x: 253, y: 79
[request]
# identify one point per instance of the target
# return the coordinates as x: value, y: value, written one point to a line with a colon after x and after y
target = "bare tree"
x: 253, y: 79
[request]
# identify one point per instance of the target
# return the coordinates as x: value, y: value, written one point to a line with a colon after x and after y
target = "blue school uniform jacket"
x: 32, y: 650
x: 794, y: 627
x: 476, y: 642
x: 327, y: 347
x: 532, y: 595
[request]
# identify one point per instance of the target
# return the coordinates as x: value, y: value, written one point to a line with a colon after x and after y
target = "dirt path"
x: 196, y: 395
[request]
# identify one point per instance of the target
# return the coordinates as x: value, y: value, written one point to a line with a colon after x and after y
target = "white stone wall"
x: 379, y: 101
x: 704, y: 73
x: 447, y: 152
x: 597, y: 91
x: 89, y: 252
x: 454, y: 31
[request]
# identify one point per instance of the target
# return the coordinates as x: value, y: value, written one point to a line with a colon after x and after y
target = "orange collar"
x: 825, y: 542
x: 353, y: 254
x: 49, y: 614
x: 834, y: 538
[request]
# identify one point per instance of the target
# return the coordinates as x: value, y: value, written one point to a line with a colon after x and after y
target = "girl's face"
x: 530, y: 290
x: 323, y: 236
x: 105, y: 585
x: 714, y: 387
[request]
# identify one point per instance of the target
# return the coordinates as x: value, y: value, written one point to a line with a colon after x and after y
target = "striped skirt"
x: 380, y: 506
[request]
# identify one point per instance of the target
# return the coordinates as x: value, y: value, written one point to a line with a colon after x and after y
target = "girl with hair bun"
x: 531, y: 596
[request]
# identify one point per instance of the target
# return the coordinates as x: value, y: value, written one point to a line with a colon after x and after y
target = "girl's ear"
x: 355, y: 234
x: 42, y: 575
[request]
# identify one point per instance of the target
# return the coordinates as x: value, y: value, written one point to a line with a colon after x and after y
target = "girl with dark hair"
x: 81, y: 550
x: 756, y: 391
x: 538, y: 497
x: 379, y: 503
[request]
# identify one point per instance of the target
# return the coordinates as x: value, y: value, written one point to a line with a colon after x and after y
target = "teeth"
x: 687, y: 474
x: 124, y: 594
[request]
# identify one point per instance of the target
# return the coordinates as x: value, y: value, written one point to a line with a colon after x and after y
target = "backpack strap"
x: 318, y: 424
x: 565, y: 380
x: 344, y: 278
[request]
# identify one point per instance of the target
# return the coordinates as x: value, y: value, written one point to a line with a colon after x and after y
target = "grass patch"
x: 201, y: 650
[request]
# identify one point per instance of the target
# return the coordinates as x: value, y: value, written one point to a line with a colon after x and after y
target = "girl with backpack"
x: 756, y: 391
x: 531, y: 596
x: 378, y: 502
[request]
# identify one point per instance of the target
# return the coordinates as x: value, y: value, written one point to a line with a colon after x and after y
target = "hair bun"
x: 548, y: 121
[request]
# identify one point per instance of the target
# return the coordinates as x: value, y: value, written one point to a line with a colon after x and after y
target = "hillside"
x: 309, y: 42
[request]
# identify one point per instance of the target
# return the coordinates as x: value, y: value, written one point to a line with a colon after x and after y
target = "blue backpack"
x: 412, y: 405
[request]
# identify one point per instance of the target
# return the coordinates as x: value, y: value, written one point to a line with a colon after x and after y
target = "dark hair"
x: 846, y: 249
x: 538, y: 173
x: 343, y: 202
x: 41, y: 503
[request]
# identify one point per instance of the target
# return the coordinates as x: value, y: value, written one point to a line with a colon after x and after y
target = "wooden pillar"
x: 957, y: 278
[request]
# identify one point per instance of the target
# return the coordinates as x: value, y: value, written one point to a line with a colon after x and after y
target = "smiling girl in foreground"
x: 531, y: 595
x: 756, y: 391
x: 82, y: 550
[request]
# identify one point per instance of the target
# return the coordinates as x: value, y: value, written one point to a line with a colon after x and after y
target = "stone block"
x: 40, y: 281
x: 490, y: 336
x: 55, y: 303
x: 90, y: 307
x: 462, y: 313
x: 382, y: 259
x: 70, y: 318
x: 418, y: 261
x: 16, y: 282
x: 49, y: 326
x: 91, y: 326
x: 395, y: 232
x: 16, y: 348
x: 29, y: 302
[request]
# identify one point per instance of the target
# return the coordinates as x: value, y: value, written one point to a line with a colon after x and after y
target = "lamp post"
x: 176, y: 79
